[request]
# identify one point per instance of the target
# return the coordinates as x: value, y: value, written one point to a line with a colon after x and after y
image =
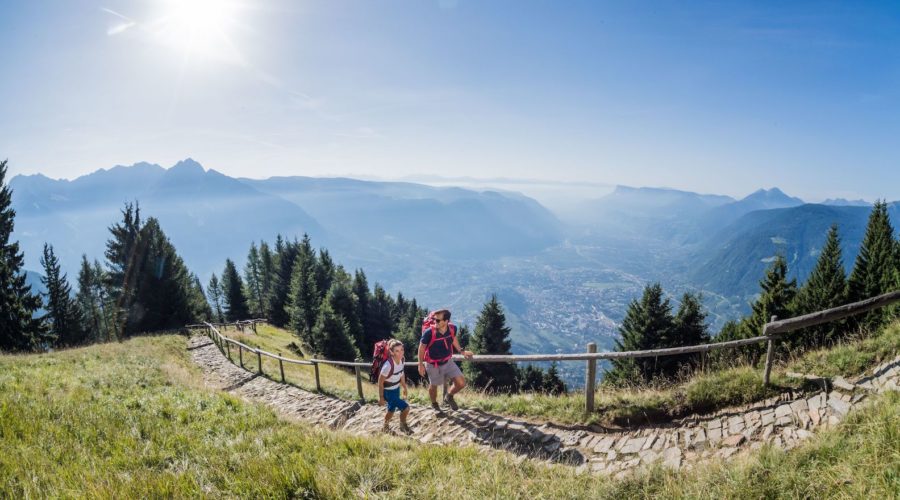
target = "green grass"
x: 130, y: 420
x: 705, y: 391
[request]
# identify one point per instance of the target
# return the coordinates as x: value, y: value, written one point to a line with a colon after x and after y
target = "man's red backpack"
x: 380, y: 356
x: 429, y: 322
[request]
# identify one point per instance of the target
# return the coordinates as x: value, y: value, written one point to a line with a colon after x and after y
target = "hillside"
x: 131, y: 420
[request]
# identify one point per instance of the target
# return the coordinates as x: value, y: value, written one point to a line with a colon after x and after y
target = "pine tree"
x: 235, y: 302
x: 552, y: 383
x: 91, y: 301
x: 825, y: 288
x: 267, y: 262
x: 330, y: 337
x: 325, y: 270
x: 361, y: 291
x: 304, y: 306
x: 216, y: 298
x: 343, y: 304
x: 279, y: 300
x: 124, y: 259
x: 378, y: 324
x: 199, y: 303
x: 253, y: 278
x: 874, y: 271
x: 165, y: 296
x: 689, y: 328
x: 492, y: 337
x: 19, y: 329
x: 530, y: 379
x: 777, y: 298
x: 65, y: 319
x: 648, y: 324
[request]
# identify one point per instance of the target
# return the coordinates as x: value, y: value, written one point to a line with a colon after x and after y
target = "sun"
x: 199, y: 28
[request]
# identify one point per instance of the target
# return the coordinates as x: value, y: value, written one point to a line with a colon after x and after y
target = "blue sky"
x: 717, y: 97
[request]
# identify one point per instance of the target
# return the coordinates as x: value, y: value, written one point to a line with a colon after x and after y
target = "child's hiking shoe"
x: 405, y: 428
x: 449, y: 401
x: 386, y: 429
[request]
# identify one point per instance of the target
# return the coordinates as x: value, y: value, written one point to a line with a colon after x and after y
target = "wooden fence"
x: 772, y: 331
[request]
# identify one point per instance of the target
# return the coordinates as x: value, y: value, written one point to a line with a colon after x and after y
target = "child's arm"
x: 381, y: 400
x: 403, y: 384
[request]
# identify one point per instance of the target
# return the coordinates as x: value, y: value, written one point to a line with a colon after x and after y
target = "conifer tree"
x: 199, y: 303
x: 19, y: 329
x: 552, y: 383
x: 279, y: 301
x: 267, y: 262
x: 530, y: 379
x: 124, y: 259
x: 378, y: 323
x: 492, y: 337
x: 360, y: 288
x: 777, y: 298
x: 216, y: 298
x: 330, y: 336
x: 825, y: 288
x: 648, y: 324
x: 165, y: 296
x: 65, y: 319
x: 235, y: 302
x: 874, y: 271
x: 304, y: 306
x: 689, y: 328
x: 253, y: 280
x: 91, y: 299
x: 343, y: 305
x: 325, y: 270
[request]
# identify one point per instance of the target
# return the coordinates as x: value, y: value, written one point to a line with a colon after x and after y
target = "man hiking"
x: 436, y: 359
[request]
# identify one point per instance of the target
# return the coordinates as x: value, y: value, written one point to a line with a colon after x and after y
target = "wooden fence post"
x: 589, y: 380
x: 259, y: 360
x: 281, y: 367
x: 241, y: 354
x: 769, y: 354
x: 316, y: 369
x: 359, y: 382
x: 228, y: 347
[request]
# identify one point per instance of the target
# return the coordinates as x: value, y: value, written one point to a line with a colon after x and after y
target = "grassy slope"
x: 701, y: 393
x: 128, y: 420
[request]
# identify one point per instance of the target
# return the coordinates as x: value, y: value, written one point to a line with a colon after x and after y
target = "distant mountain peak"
x: 772, y: 196
x: 843, y: 202
x: 188, y: 165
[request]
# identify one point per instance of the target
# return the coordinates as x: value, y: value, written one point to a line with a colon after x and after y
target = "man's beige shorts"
x: 437, y: 375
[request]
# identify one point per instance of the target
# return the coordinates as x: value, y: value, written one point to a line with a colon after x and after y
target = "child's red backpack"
x: 427, y: 323
x: 380, y: 355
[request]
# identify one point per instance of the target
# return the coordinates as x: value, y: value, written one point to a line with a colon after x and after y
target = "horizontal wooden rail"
x: 833, y: 314
x: 502, y: 358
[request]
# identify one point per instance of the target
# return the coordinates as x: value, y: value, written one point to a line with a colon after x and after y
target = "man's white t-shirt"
x: 391, y: 381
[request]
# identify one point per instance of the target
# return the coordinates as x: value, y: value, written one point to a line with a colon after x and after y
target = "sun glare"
x: 200, y: 28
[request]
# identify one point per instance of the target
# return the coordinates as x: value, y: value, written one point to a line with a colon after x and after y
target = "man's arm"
x: 467, y: 354
x: 421, y: 356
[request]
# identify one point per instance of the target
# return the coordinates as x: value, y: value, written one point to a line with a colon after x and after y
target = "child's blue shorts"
x: 394, y: 403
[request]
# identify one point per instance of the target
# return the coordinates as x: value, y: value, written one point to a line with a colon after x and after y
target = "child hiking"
x: 390, y: 380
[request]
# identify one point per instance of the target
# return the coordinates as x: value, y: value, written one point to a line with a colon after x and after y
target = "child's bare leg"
x: 403, y: 415
x: 388, y: 416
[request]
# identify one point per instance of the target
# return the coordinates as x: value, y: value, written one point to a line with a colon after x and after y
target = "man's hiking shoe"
x: 449, y: 401
x: 436, y: 407
x: 405, y: 428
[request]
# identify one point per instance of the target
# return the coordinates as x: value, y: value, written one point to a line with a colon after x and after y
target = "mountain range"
x: 566, y: 279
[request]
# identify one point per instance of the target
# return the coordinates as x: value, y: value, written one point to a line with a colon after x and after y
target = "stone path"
x: 783, y: 421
